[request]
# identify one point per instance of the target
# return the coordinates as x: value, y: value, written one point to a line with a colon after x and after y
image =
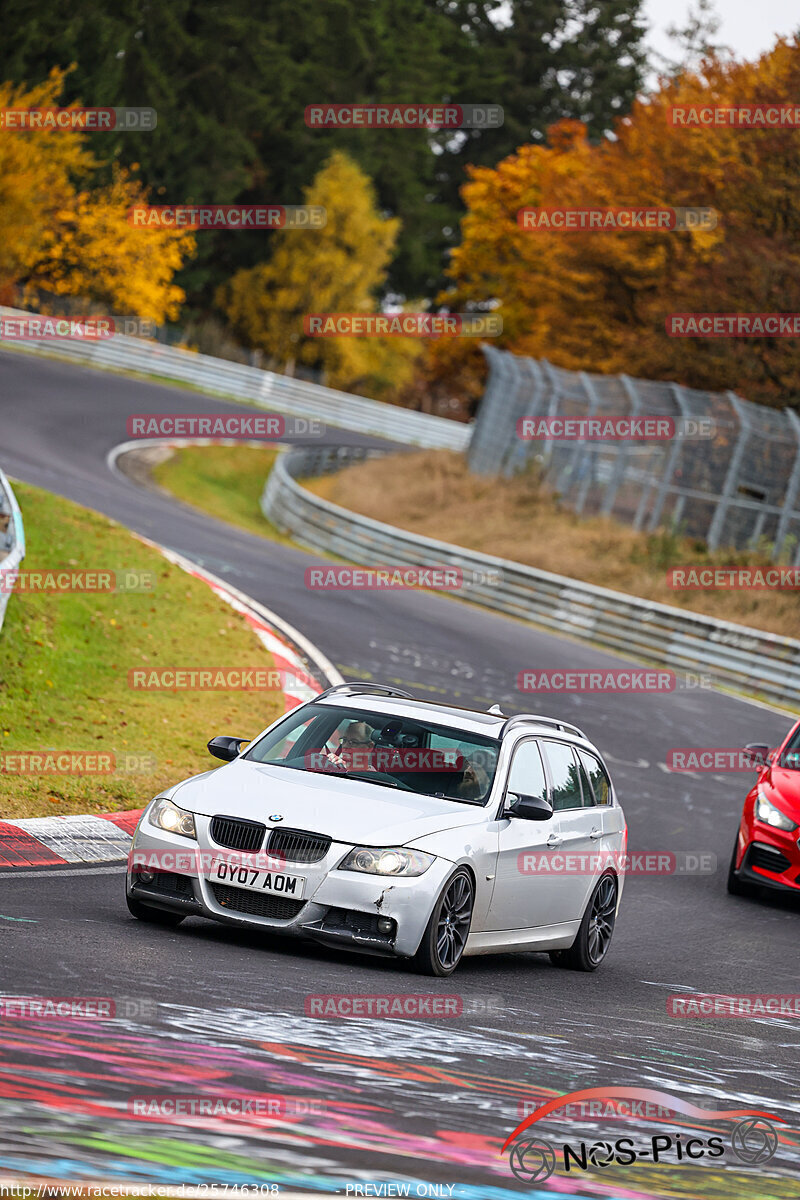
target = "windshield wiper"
x: 368, y: 777
x: 454, y: 799
x: 333, y: 773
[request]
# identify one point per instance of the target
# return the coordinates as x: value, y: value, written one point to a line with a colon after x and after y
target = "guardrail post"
x: 792, y: 488
x: 717, y: 525
x: 494, y: 423
x: 584, y: 453
x: 520, y: 451
x: 552, y: 407
x: 667, y: 475
x: 623, y: 452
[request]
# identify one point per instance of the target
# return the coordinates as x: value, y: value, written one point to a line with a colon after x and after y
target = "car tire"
x: 153, y: 916
x: 447, y: 930
x: 596, y: 929
x: 735, y: 885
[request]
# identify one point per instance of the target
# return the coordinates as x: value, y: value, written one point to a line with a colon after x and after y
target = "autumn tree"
x: 230, y: 81
x: 338, y: 268
x: 598, y: 300
x: 65, y: 235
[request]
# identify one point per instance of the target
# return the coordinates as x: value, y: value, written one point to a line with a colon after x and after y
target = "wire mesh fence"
x: 729, y: 472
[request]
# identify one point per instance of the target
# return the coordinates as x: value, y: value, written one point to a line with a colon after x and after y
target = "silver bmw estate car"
x: 370, y: 820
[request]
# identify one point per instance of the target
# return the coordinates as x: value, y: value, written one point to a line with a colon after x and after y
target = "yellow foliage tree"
x: 64, y: 236
x: 338, y: 268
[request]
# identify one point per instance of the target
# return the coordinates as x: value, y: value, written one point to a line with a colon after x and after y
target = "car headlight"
x: 393, y: 861
x: 167, y: 815
x: 770, y: 815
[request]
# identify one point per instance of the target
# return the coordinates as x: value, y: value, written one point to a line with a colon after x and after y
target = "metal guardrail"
x: 746, y: 659
x: 266, y: 389
x: 12, y: 542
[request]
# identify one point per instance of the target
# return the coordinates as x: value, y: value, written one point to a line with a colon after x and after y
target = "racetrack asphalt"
x: 218, y: 1010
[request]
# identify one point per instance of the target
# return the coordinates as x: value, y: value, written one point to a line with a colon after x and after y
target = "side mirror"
x: 756, y: 753
x: 529, y: 808
x: 226, y: 748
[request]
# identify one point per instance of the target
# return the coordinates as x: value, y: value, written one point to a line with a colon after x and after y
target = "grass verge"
x: 65, y: 658
x: 431, y: 492
x: 224, y: 481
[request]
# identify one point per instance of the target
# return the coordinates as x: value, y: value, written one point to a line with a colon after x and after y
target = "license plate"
x: 274, y: 883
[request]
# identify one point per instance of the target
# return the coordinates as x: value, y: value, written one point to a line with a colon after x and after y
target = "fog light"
x: 385, y: 925
x: 146, y: 876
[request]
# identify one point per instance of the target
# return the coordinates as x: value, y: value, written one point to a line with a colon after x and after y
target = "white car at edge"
x: 373, y: 821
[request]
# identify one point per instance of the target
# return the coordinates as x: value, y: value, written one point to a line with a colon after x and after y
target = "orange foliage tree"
x: 598, y: 300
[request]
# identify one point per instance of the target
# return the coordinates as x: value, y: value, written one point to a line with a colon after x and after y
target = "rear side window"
x: 565, y: 775
x: 597, y: 777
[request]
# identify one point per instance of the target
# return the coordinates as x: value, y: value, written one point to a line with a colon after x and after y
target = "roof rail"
x: 361, y: 687
x: 527, y: 718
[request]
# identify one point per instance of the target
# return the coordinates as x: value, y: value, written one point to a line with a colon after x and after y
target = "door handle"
x: 595, y: 834
x: 553, y: 840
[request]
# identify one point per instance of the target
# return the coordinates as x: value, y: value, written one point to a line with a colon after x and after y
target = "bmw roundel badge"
x: 276, y: 817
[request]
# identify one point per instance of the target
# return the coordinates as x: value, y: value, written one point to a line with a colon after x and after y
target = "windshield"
x: 415, y: 755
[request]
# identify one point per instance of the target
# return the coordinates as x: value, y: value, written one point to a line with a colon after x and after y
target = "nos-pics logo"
x: 753, y: 1138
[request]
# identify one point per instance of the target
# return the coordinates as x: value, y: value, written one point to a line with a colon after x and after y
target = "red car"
x: 767, y: 848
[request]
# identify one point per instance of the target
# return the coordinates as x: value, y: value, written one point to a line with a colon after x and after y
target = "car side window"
x: 527, y: 777
x: 597, y: 777
x: 588, y: 795
x: 564, y: 772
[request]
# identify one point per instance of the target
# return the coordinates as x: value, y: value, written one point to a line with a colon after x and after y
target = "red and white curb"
x: 55, y: 841
x: 106, y: 837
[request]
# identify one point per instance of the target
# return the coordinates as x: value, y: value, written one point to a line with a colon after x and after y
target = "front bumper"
x: 766, y: 864
x: 339, y: 908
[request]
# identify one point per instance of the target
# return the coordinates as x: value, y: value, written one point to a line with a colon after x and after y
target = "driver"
x: 356, y: 749
x: 475, y: 781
